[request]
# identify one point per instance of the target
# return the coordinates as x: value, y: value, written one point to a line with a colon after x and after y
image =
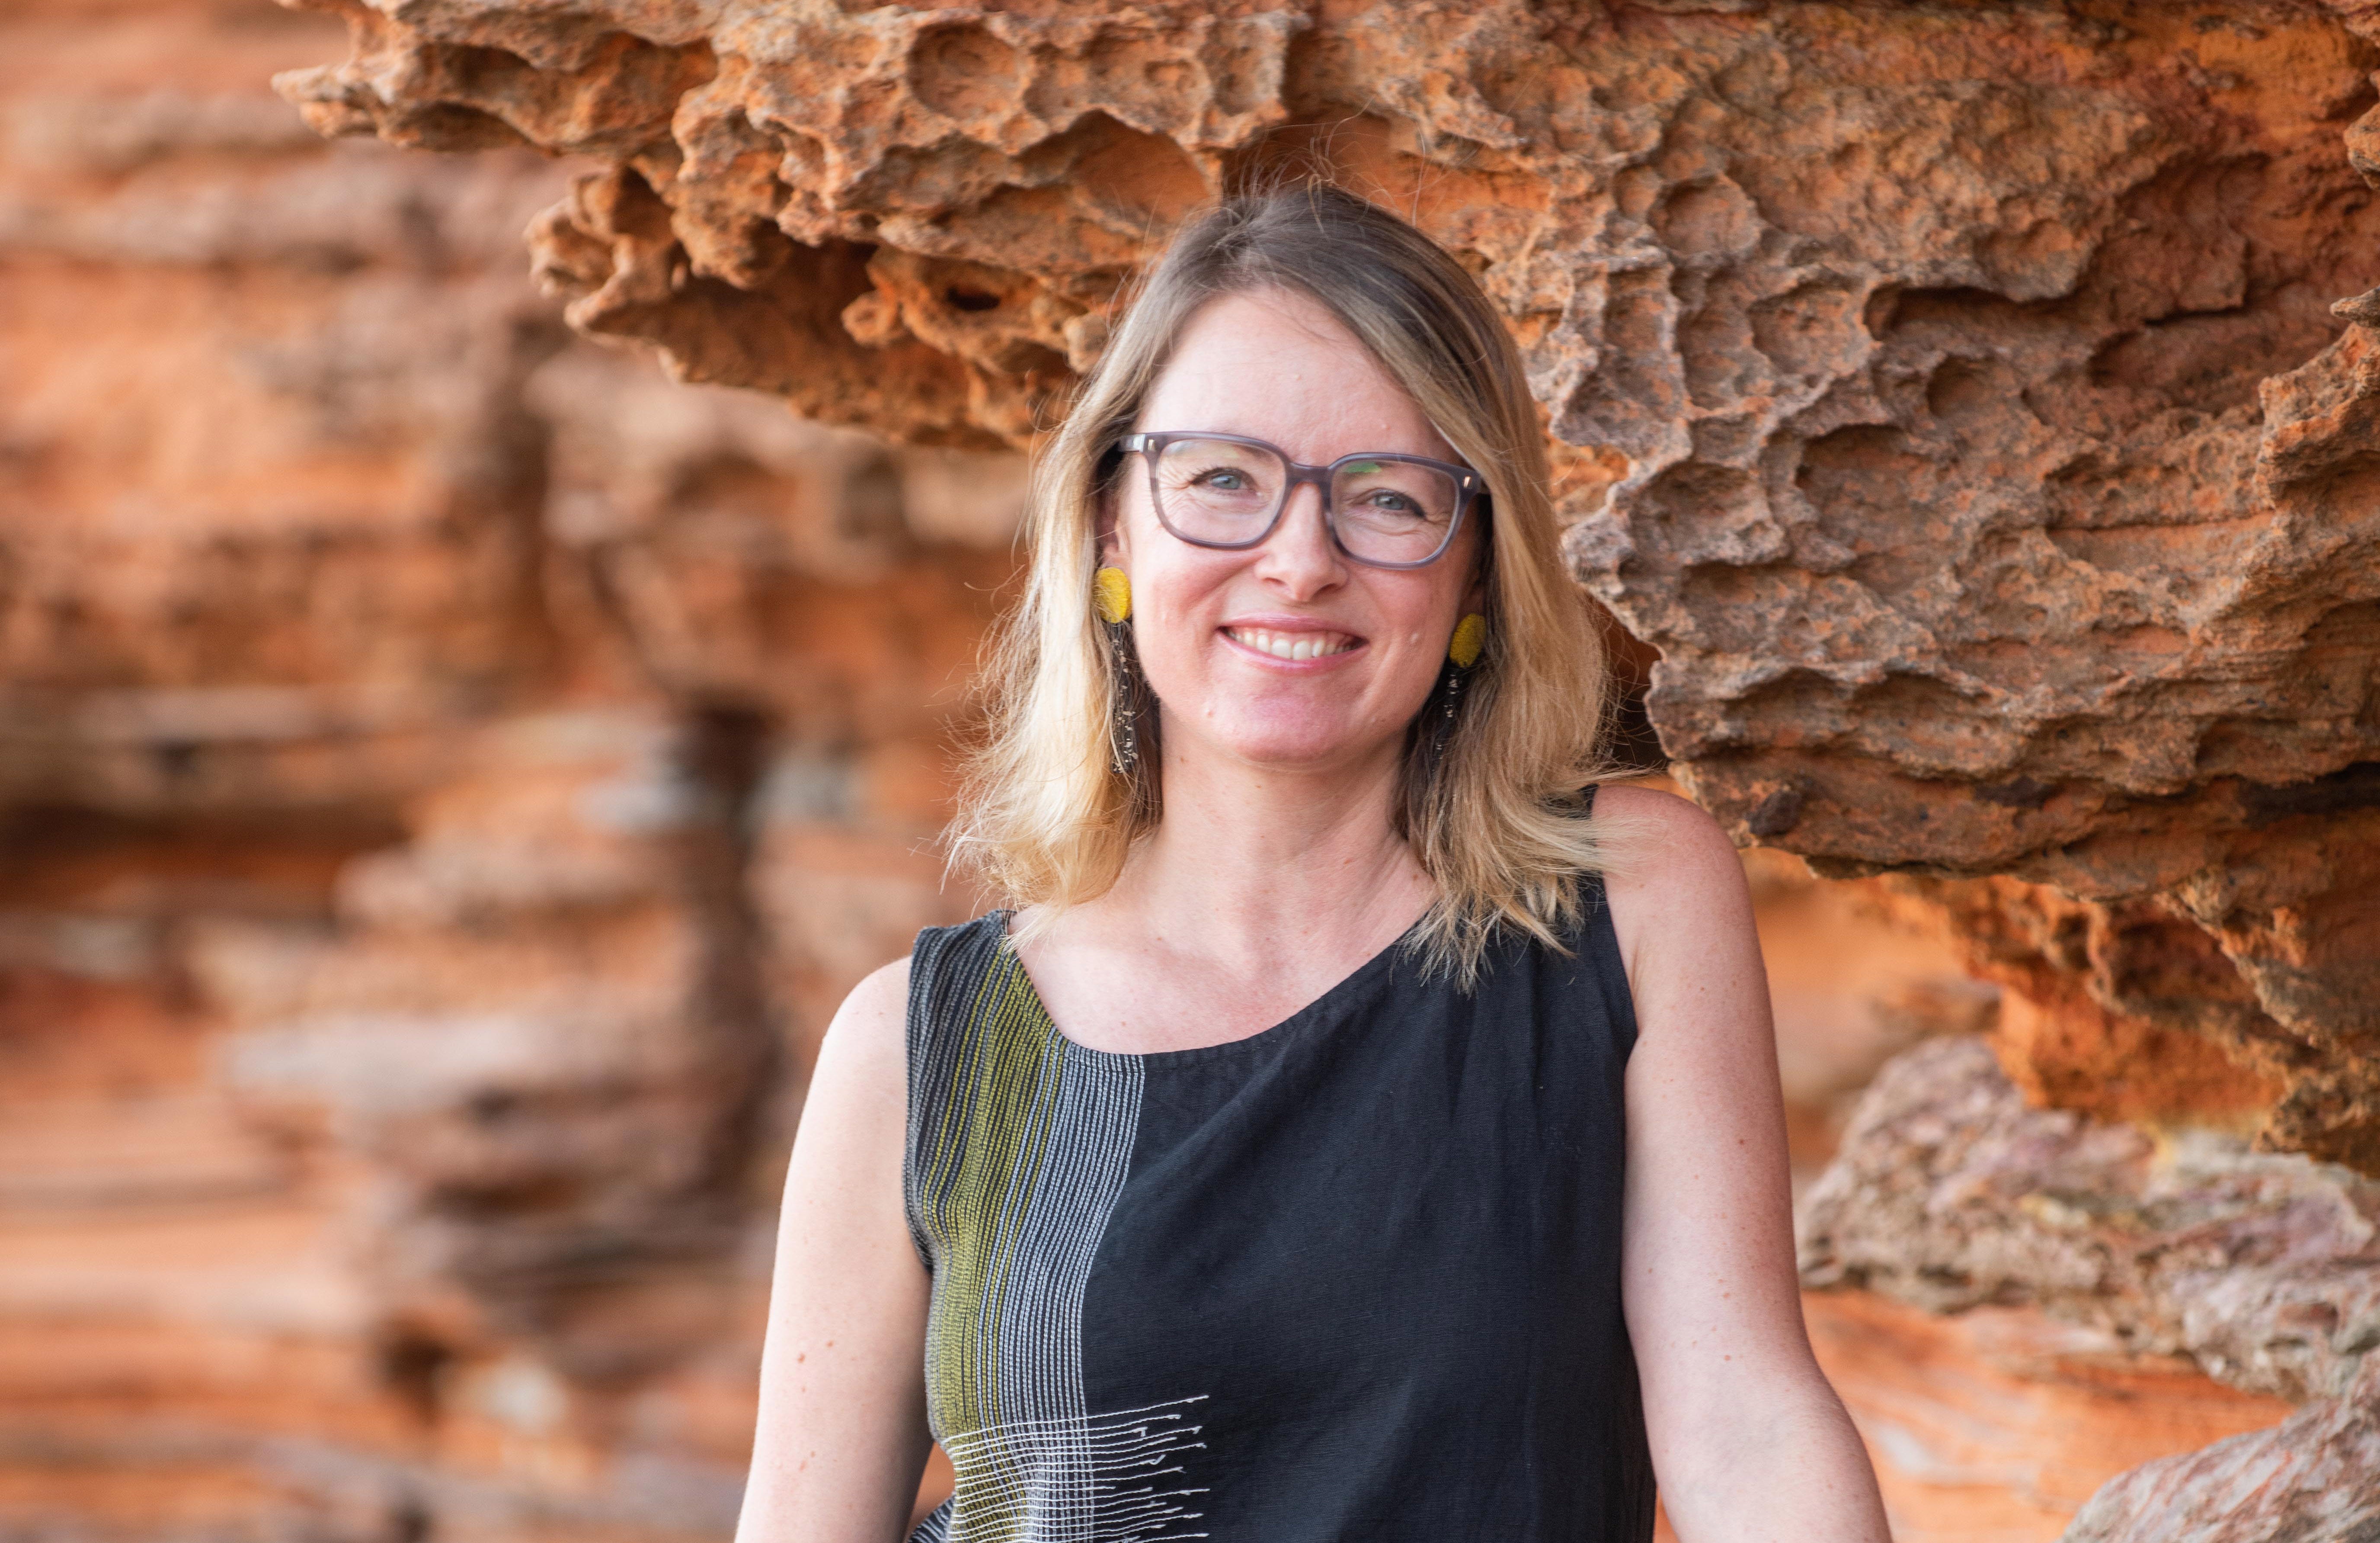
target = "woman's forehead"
x: 1277, y: 365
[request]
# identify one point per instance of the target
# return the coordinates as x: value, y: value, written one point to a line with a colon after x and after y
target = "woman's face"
x: 1213, y: 626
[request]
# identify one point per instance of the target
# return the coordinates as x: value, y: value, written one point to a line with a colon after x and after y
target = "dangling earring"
x: 1111, y: 596
x: 1461, y: 652
x: 1126, y: 733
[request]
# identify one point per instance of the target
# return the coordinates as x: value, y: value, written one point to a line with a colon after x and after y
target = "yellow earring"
x: 1112, y: 592
x: 1470, y: 636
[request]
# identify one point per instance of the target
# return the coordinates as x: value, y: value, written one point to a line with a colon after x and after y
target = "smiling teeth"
x: 1293, y: 645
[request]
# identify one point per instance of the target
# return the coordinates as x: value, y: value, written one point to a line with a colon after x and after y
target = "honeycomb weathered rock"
x: 1954, y: 394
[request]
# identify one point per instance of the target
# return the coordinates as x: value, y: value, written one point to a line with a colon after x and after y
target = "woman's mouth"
x: 1291, y: 645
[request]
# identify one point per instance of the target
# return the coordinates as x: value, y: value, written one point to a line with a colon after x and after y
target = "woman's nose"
x: 1299, y: 555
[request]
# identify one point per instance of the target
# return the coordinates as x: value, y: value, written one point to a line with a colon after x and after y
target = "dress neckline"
x: 1320, y: 1007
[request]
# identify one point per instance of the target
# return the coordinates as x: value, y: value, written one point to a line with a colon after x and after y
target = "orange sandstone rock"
x: 2000, y: 1423
x: 447, y: 775
x: 1986, y: 461
x: 438, y: 756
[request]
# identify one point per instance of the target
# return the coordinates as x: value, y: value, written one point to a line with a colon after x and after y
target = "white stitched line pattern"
x: 1097, y: 1478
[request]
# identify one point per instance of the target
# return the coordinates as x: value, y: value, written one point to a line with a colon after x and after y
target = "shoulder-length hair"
x: 1492, y: 806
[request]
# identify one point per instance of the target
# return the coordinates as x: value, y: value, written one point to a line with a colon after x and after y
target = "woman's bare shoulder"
x: 881, y: 992
x: 1677, y: 886
x: 1637, y: 801
x: 867, y: 1040
x: 1667, y: 845
x: 1682, y: 913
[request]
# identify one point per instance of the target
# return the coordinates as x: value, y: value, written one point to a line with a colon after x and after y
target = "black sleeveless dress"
x: 1356, y: 1277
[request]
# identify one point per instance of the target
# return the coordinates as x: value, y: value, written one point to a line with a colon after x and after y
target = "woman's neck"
x: 1258, y: 891
x: 1269, y: 864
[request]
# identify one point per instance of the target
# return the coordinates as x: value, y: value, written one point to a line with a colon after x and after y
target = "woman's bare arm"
x: 1749, y: 1441
x: 842, y: 1435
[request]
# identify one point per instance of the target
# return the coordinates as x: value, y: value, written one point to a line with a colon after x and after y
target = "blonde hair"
x: 1497, y: 818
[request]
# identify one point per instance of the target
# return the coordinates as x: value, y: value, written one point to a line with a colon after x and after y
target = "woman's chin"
x: 1297, y: 747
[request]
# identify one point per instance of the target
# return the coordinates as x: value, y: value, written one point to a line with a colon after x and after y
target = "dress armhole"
x: 930, y: 966
x: 947, y: 965
x: 1600, y: 940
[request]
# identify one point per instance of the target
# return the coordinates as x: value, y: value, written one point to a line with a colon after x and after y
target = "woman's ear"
x: 1107, y: 508
x: 1107, y: 531
x: 1475, y: 594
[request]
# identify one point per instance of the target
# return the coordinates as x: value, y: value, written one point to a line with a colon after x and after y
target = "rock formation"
x: 2317, y: 1476
x: 1951, y: 1194
x: 1954, y: 398
x: 449, y: 773
x: 2001, y: 1423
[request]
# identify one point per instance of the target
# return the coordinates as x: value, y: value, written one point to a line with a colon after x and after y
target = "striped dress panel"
x: 1019, y: 1144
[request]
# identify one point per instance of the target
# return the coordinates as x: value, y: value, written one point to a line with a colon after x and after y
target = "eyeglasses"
x: 1382, y: 510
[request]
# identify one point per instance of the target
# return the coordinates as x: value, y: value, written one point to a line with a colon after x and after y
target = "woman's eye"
x: 1222, y: 482
x: 1394, y: 503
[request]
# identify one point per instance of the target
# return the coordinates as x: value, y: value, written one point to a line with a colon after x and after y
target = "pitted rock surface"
x: 1953, y: 396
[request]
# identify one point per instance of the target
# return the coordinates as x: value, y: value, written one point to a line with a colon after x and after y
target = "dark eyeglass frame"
x: 1468, y: 485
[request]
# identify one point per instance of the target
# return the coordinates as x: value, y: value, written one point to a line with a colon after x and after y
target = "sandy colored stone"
x: 2125, y: 1010
x: 1857, y: 973
x: 1996, y: 1425
x: 2315, y: 1479
x: 1950, y: 1192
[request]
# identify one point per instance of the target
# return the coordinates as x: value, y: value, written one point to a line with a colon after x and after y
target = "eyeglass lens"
x: 1385, y: 511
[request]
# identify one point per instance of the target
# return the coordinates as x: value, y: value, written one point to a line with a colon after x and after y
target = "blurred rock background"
x: 450, y: 771
x: 448, y: 774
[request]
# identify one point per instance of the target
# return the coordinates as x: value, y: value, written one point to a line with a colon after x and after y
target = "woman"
x: 1360, y: 1132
